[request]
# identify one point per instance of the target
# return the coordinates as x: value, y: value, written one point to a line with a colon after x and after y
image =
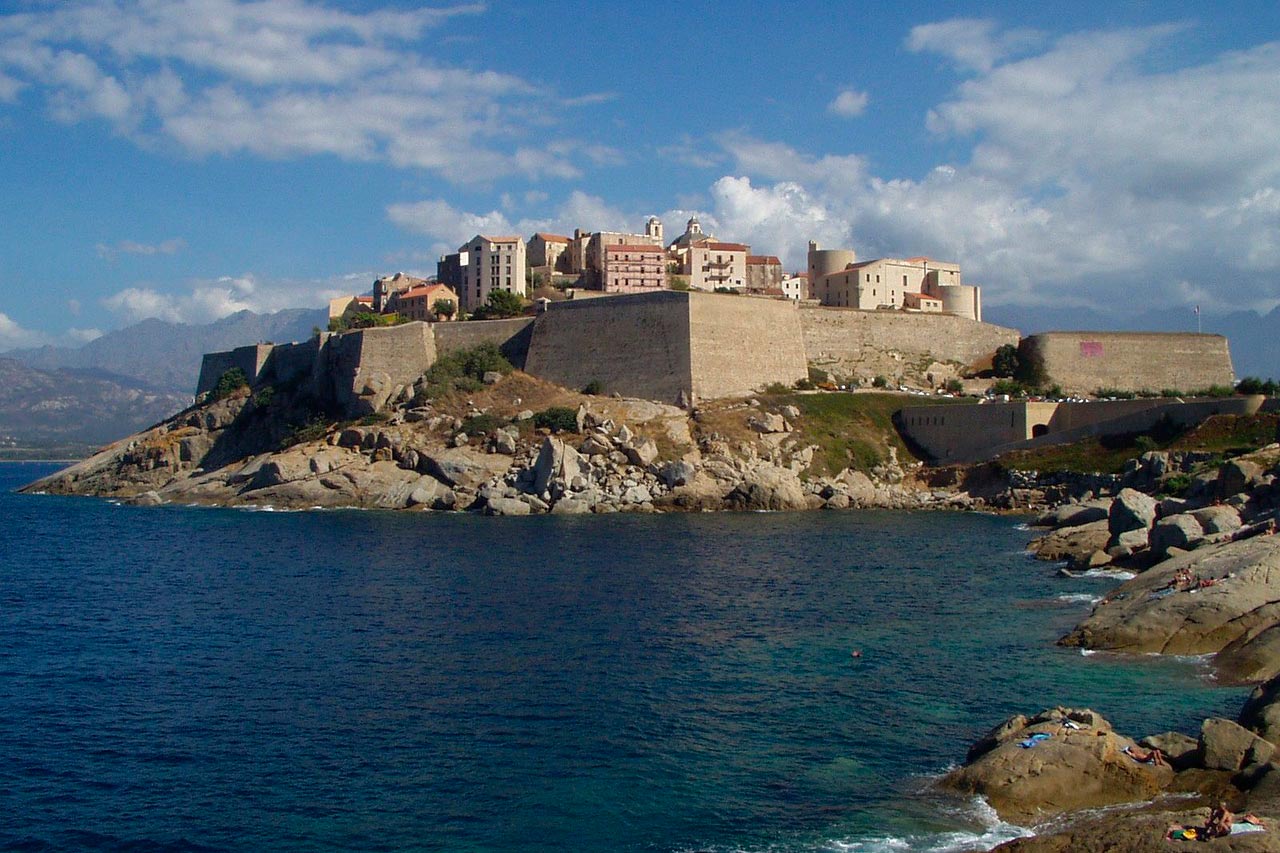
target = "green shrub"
x: 229, y: 382
x: 879, y: 382
x: 557, y: 419
x: 1254, y: 385
x: 954, y: 386
x: 478, y: 425
x: 1214, y: 391
x: 595, y: 388
x: 1176, y: 485
x: 464, y: 370
x: 680, y: 283
x: 1145, y: 444
x: 365, y: 320
x: 375, y: 418
x: 501, y: 304
x: 1114, y: 392
x: 1008, y: 386
x: 313, y: 430
x: 264, y: 396
x: 805, y: 385
x: 776, y: 388
x: 817, y: 375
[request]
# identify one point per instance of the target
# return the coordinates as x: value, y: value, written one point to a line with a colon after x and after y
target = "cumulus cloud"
x: 283, y: 78
x: 131, y: 247
x: 206, y: 300
x: 850, y: 103
x: 15, y: 336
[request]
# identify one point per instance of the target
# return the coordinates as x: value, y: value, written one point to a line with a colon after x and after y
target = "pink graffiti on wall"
x: 1091, y: 349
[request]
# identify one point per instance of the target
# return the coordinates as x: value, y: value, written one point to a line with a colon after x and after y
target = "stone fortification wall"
x: 295, y: 362
x: 510, y: 336
x: 740, y: 344
x: 636, y: 345
x: 250, y: 359
x: 1082, y: 362
x: 971, y: 433
x: 364, y: 368
x: 894, y: 344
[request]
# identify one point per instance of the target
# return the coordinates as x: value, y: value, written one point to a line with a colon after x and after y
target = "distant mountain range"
x: 166, y: 356
x: 1254, y: 338
x: 74, y: 409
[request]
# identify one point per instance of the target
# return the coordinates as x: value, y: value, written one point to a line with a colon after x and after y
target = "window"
x: 904, y: 281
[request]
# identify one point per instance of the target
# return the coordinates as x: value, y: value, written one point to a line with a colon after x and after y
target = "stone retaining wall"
x: 1083, y: 362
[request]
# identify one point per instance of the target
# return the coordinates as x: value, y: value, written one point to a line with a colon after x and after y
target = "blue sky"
x: 188, y: 158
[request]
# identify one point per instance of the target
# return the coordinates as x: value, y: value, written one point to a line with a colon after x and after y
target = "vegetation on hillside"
x: 501, y: 305
x: 365, y: 320
x: 463, y: 370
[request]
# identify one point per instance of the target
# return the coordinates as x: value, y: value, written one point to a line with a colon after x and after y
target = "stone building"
x: 593, y: 260
x: 496, y: 263
x: 794, y: 286
x: 709, y: 264
x: 634, y: 269
x: 389, y: 285
x: 764, y: 272
x: 544, y: 252
x: 913, y: 284
x: 449, y: 269
x: 418, y: 303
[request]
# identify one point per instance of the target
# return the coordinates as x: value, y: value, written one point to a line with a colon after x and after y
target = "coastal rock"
x: 1261, y: 711
x: 556, y: 460
x: 768, y: 423
x: 462, y: 467
x: 1225, y: 745
x: 769, y: 488
x: 1177, y: 531
x: 861, y: 491
x: 1180, y: 750
x: 642, y: 452
x: 1072, y: 543
x: 1128, y: 543
x: 430, y: 492
x: 1131, y: 510
x: 678, y: 473
x: 1238, y: 475
x: 1147, y: 615
x: 570, y: 506
x: 1218, y: 518
x: 506, y: 506
x: 1075, y: 514
x: 1250, y: 657
x: 1064, y: 768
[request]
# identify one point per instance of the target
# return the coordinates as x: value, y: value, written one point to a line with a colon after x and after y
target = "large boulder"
x: 1131, y: 510
x: 1238, y: 475
x: 1076, y: 514
x: 769, y: 488
x: 1229, y: 746
x: 1261, y: 711
x: 1251, y: 657
x: 556, y: 461
x: 1147, y: 614
x: 1042, y: 766
x: 1072, y: 543
x: 1177, y: 531
x: 462, y: 467
x: 1218, y: 518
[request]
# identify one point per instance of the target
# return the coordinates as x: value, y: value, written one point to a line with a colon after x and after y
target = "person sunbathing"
x: 1146, y: 756
x: 1219, y: 823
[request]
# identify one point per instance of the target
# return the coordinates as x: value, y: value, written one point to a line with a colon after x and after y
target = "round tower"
x: 823, y: 262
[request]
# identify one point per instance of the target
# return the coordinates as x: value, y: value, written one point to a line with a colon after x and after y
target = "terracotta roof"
x: 424, y: 290
x: 500, y: 239
x: 646, y: 248
x: 364, y: 300
x: 753, y: 260
x: 773, y: 291
x: 721, y: 247
x: 552, y: 238
x: 920, y: 260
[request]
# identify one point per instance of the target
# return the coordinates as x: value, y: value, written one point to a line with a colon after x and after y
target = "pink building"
x: 634, y: 269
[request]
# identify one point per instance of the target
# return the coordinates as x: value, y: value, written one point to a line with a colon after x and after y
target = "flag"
x: 1197, y: 310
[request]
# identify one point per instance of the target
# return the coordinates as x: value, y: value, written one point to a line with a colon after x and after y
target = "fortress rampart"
x: 1083, y: 362
x: 866, y: 344
x: 679, y: 347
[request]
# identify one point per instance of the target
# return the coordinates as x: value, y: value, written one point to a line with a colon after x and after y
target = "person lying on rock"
x: 1146, y: 756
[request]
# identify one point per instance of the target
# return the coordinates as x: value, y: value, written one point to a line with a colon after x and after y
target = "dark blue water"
x: 197, y: 679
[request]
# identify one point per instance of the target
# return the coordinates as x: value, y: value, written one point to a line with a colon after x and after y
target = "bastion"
x: 1084, y: 362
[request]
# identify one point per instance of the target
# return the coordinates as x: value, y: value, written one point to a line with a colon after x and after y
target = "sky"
x: 186, y: 159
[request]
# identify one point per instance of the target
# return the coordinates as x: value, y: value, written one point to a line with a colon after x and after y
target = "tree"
x: 679, y: 282
x: 444, y: 308
x: 1005, y: 362
x: 501, y: 304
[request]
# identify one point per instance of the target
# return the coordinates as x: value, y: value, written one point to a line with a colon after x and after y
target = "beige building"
x: 594, y: 255
x: 764, y: 272
x: 418, y: 303
x: 345, y: 306
x: 389, y: 285
x: 709, y: 264
x: 794, y: 286
x: 634, y: 269
x: 911, y: 284
x: 496, y: 263
x: 545, y: 250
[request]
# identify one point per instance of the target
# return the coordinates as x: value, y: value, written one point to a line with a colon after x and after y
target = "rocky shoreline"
x: 1205, y: 580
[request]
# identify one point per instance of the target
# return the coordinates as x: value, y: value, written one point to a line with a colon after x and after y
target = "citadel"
x: 701, y: 319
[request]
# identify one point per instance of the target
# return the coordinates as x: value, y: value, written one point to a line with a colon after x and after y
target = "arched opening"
x: 1039, y: 430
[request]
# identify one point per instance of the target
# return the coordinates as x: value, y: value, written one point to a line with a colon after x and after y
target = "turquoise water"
x: 200, y: 679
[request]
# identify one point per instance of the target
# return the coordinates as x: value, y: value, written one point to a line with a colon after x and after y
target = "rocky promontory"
x: 511, y: 445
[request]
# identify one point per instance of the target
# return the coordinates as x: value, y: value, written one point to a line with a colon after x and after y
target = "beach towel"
x: 1240, y: 828
x: 1034, y: 739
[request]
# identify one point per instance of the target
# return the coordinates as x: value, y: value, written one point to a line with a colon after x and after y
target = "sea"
x: 194, y: 679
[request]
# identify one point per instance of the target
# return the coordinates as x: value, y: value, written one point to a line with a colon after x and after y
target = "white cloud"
x: 206, y: 300
x: 131, y: 247
x: 850, y: 103
x: 971, y: 43
x: 83, y: 336
x: 14, y: 336
x: 284, y: 78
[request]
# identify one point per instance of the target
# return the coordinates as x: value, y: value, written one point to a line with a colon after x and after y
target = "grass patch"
x: 851, y: 430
